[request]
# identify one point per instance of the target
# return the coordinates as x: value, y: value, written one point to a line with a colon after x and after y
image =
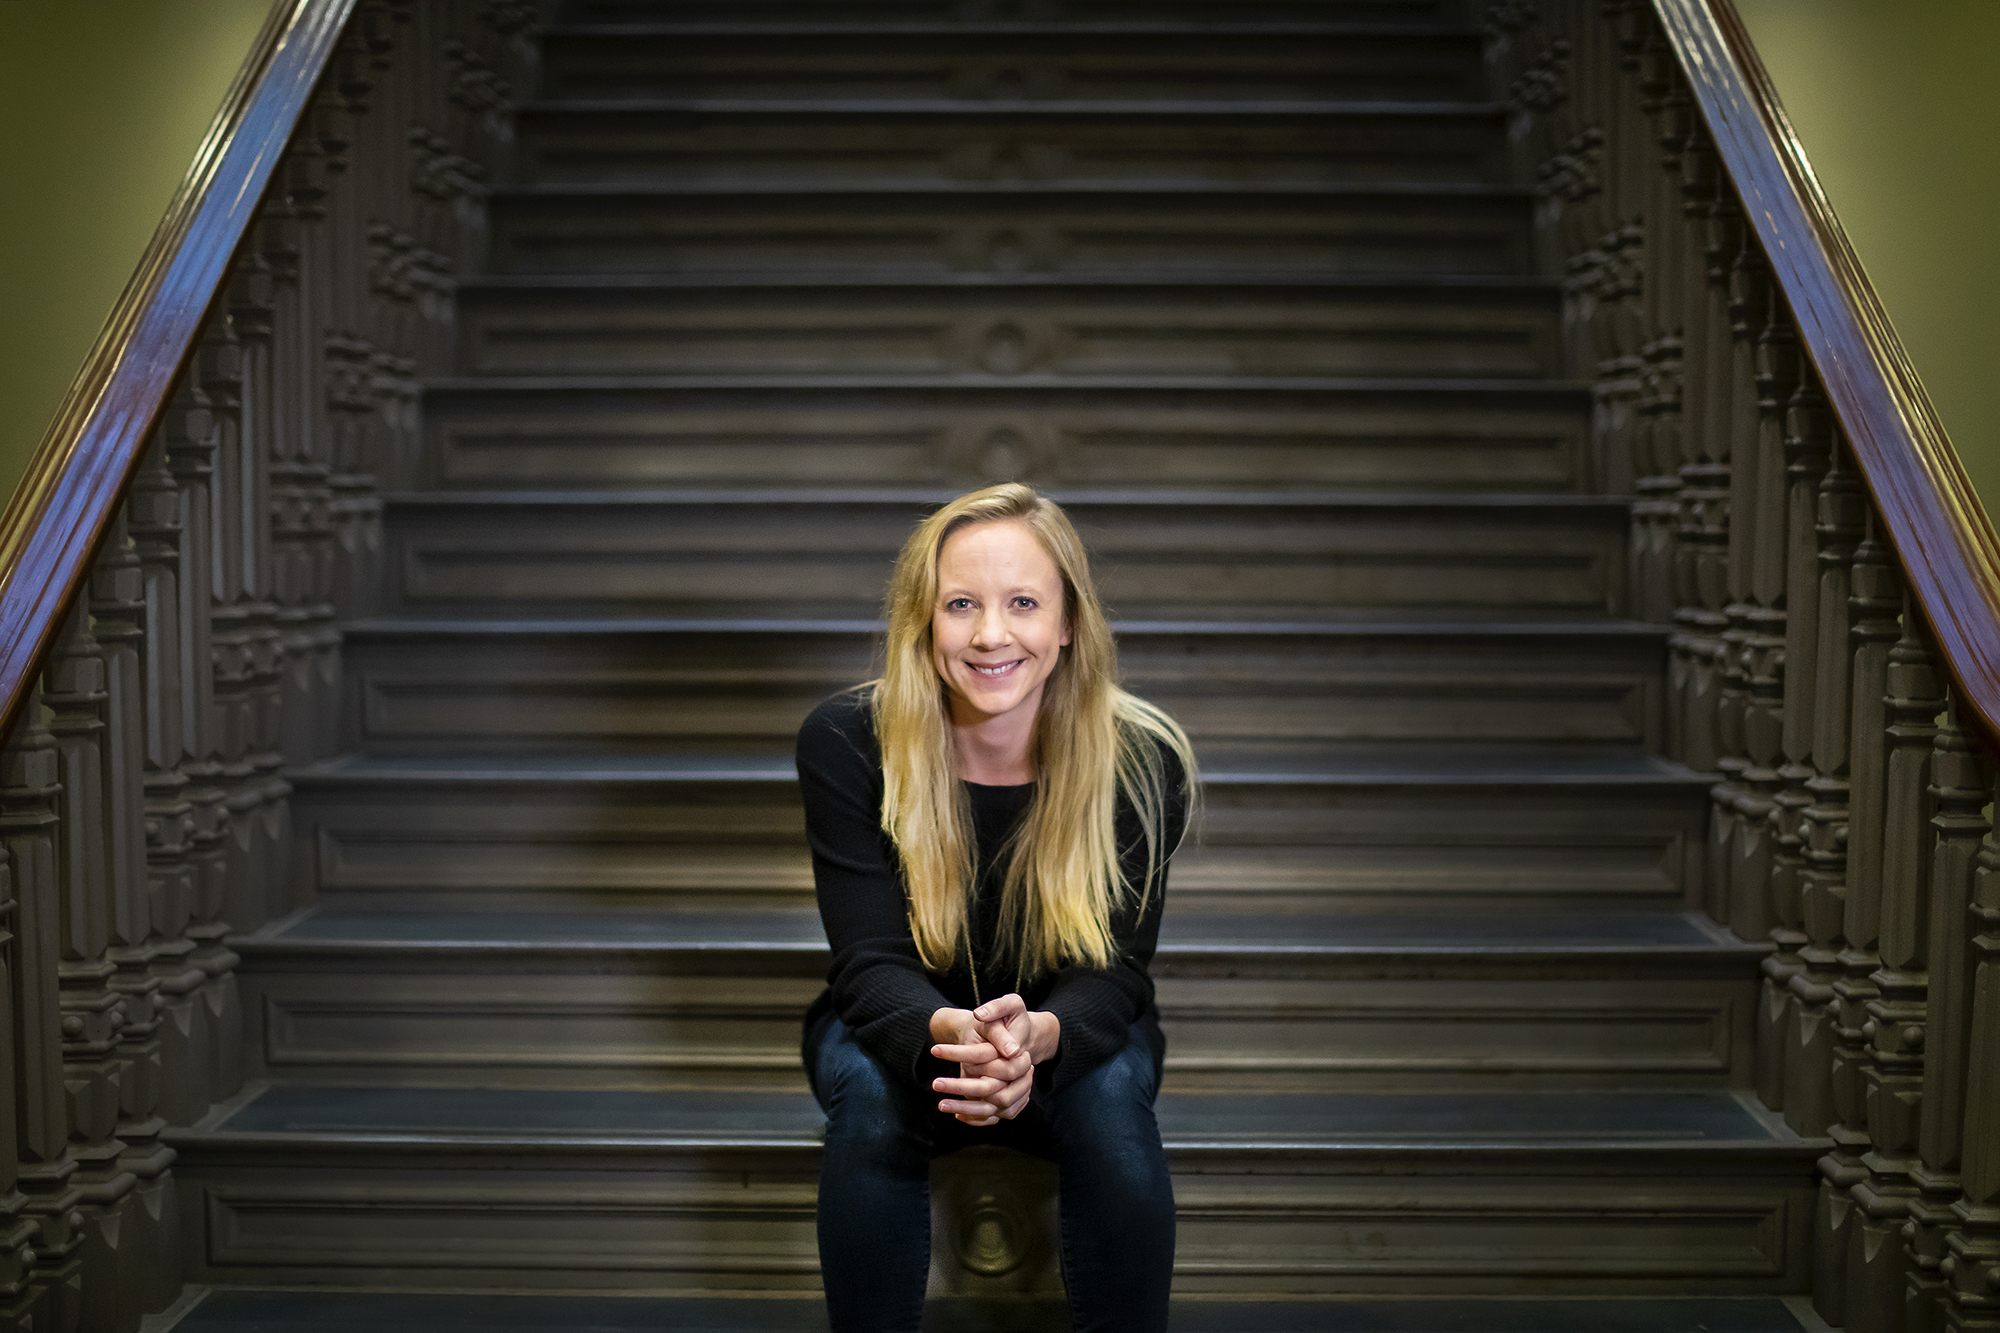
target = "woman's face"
x: 999, y: 622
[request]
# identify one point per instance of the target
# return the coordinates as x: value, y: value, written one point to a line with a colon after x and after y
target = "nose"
x: 990, y: 631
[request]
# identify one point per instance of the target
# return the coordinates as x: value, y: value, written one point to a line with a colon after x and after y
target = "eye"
x: 958, y: 604
x: 1025, y: 603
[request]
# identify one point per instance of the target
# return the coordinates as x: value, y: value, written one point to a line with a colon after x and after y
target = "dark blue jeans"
x: 882, y: 1131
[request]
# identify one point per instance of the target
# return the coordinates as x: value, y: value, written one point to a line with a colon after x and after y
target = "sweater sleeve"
x: 878, y: 983
x: 1098, y: 1005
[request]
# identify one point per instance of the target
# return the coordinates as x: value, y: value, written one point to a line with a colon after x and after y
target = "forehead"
x: 999, y: 549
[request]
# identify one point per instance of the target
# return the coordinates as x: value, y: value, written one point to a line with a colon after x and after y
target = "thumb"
x: 1002, y: 1039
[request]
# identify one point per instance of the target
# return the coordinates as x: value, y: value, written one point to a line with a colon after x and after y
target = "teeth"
x: 1002, y: 669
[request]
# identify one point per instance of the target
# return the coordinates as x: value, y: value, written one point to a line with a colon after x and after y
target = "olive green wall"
x: 102, y: 105
x: 1896, y: 104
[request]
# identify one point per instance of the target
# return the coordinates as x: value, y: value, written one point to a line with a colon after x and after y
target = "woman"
x: 990, y: 825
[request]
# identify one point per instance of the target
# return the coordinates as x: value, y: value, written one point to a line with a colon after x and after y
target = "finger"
x: 989, y: 1120
x: 1013, y: 1099
x: 981, y: 1054
x: 1001, y: 1008
x: 977, y: 1089
x: 980, y: 1109
x: 1004, y: 1070
x: 1002, y: 1039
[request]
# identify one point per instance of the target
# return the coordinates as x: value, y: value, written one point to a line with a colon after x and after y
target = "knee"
x: 1109, y: 1110
x: 1123, y: 1085
x: 866, y: 1110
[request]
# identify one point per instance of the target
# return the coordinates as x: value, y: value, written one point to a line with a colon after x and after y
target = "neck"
x: 992, y: 749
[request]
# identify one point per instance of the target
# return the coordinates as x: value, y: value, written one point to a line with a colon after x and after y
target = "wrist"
x: 1044, y: 1035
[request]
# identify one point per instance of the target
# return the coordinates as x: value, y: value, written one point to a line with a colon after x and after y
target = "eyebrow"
x: 1017, y: 588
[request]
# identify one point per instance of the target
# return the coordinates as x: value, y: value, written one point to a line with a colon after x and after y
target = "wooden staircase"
x: 1248, y: 286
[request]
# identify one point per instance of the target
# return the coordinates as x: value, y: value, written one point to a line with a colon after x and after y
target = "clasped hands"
x: 996, y: 1048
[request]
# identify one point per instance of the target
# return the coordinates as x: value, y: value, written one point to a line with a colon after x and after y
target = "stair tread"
x: 1224, y: 763
x: 991, y: 108
x: 1451, y: 625
x: 1446, y: 1121
x: 1005, y: 28
x: 1139, y: 499
x: 1040, y: 382
x: 1426, y: 283
x: 1232, y: 192
x: 224, y: 1310
x: 1595, y: 932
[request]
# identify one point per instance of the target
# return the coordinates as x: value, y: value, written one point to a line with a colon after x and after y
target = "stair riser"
x: 1042, y: 433
x: 1130, y: 66
x: 840, y: 149
x: 862, y: 332
x: 639, y: 1021
x: 577, y: 693
x: 832, y: 560
x: 935, y: 235
x: 1249, y: 1222
x: 1415, y: 13
x: 580, y: 842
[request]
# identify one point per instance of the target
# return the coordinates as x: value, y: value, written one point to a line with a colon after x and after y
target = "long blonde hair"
x: 1091, y: 742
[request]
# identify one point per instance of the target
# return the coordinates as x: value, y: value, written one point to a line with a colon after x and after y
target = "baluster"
x: 149, y: 1264
x: 1801, y: 1068
x: 1895, y: 1026
x: 77, y: 690
x: 1740, y: 840
x: 1656, y: 506
x: 244, y: 633
x: 29, y: 790
x: 1764, y: 613
x: 1826, y: 1072
x: 1873, y: 607
x: 18, y: 1294
x: 1703, y: 537
x: 1971, y: 1261
x: 1959, y: 782
x: 201, y: 1031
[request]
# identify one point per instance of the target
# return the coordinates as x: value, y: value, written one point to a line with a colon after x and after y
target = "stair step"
x: 975, y: 428
x: 427, y: 686
x: 1297, y: 943
x: 742, y: 142
x: 1302, y: 998
x: 1194, y: 1125
x: 711, y: 1188
x: 1139, y: 14
x: 226, y: 1310
x: 1139, y: 231
x: 1440, y: 825
x: 1483, y: 331
x: 827, y: 554
x: 1140, y: 63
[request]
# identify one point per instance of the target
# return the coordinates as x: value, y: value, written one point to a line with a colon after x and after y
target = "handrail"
x: 1932, y: 515
x: 51, y: 529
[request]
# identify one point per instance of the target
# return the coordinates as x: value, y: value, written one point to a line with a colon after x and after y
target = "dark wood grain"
x: 51, y: 529
x: 1934, y: 517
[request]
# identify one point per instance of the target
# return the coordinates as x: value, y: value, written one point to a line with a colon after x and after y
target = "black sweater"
x: 878, y: 985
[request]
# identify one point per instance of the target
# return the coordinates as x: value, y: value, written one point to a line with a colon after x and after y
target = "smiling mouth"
x: 999, y: 669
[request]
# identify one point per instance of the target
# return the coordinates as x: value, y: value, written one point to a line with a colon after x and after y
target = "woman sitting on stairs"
x: 990, y: 823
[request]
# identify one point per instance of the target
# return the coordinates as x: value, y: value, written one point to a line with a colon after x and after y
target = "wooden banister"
x: 1933, y: 516
x: 52, y: 527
